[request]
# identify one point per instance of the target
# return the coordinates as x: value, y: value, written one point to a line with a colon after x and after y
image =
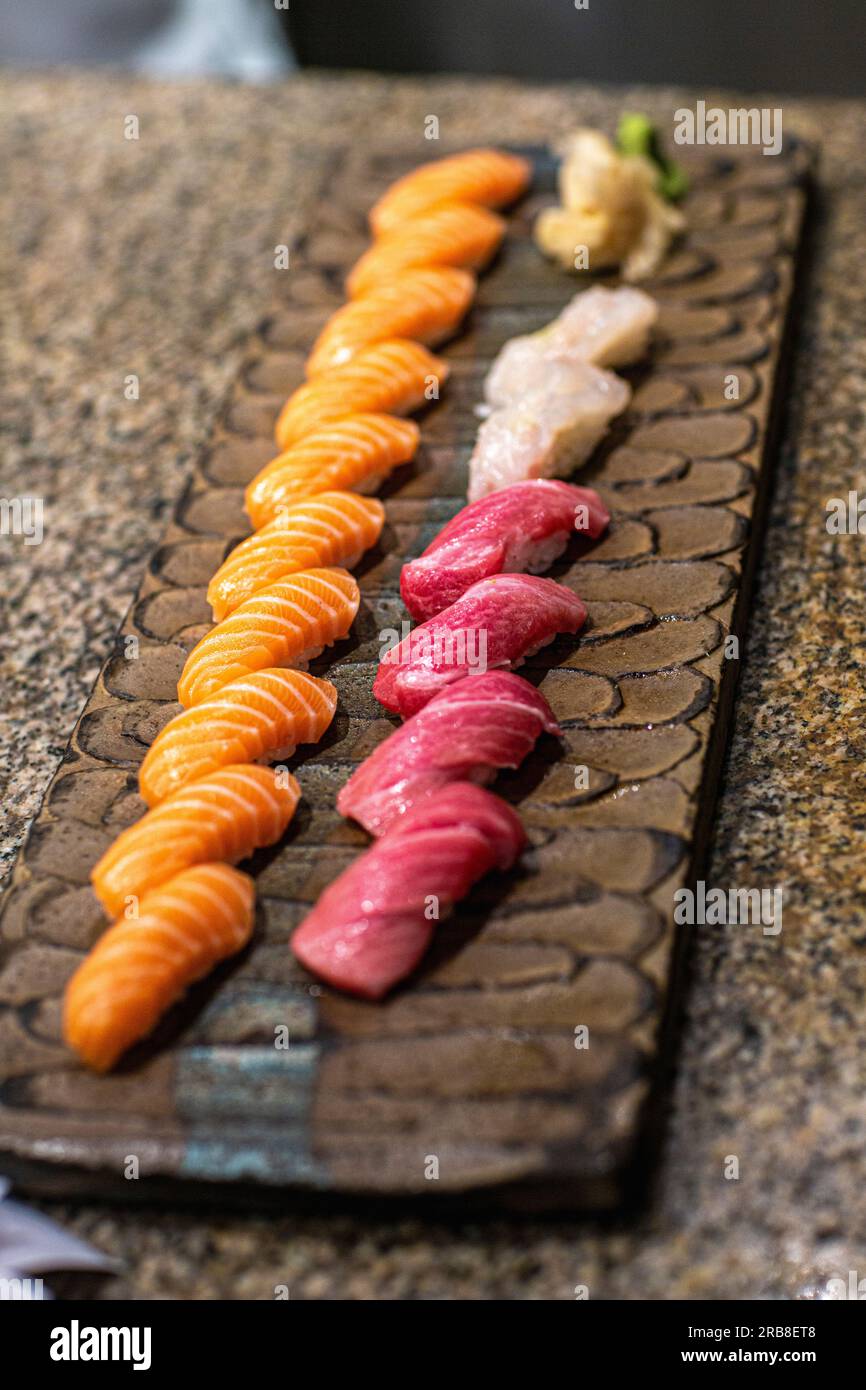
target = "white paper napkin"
x: 32, y: 1245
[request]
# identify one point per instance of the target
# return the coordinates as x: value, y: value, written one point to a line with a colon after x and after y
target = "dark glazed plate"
x: 474, y: 1063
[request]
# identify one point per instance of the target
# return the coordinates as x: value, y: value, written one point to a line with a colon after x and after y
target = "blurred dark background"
x: 783, y: 45
x: 790, y: 45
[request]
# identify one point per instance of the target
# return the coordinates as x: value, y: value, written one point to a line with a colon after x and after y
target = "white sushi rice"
x: 303, y: 659
x: 277, y: 755
x: 534, y: 557
x: 531, y: 651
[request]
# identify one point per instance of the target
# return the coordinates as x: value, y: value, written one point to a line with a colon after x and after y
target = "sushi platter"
x: 513, y: 1051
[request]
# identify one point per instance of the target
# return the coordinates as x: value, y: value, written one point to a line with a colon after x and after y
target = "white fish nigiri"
x: 548, y: 432
x: 607, y: 328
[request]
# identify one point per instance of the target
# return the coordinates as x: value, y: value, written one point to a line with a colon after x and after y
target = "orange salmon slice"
x: 329, y: 528
x: 457, y: 234
x: 426, y: 304
x: 354, y: 454
x: 393, y: 378
x: 261, y: 718
x: 141, y: 966
x: 490, y: 177
x: 225, y: 816
x: 286, y: 624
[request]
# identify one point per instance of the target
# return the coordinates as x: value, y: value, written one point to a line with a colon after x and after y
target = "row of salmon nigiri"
x: 280, y: 598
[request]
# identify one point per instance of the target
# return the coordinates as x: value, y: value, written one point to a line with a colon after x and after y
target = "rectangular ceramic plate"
x: 468, y: 1079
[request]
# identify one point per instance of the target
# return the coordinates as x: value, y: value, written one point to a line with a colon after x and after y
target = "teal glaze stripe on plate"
x: 227, y: 1094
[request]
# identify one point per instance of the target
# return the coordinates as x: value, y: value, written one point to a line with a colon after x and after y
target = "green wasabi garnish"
x: 637, y: 134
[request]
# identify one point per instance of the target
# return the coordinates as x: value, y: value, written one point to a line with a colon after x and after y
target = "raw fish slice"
x: 489, y: 177
x: 355, y: 454
x: 522, y: 527
x: 330, y: 528
x: 528, y: 369
x: 285, y: 625
x: 547, y: 432
x: 373, y: 924
x: 261, y: 718
x: 472, y: 728
x: 425, y: 304
x: 496, y: 623
x: 394, y: 378
x: 224, y: 816
x: 460, y: 234
x: 607, y: 328
x: 141, y: 966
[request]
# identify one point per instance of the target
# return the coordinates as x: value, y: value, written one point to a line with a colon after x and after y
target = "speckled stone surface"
x: 154, y: 257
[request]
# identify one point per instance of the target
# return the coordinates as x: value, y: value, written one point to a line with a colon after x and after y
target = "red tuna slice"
x: 371, y: 927
x: 522, y: 527
x: 496, y: 623
x: 466, y: 732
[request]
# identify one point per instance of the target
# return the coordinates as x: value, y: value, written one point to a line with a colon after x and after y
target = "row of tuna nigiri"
x: 438, y: 830
x: 280, y: 598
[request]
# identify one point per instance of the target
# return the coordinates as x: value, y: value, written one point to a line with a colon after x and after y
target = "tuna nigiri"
x: 547, y: 432
x: 141, y: 966
x: 356, y: 453
x: 606, y: 327
x: 460, y: 234
x: 224, y: 816
x: 373, y: 924
x: 261, y: 718
x: 522, y: 527
x: 395, y: 378
x: 465, y: 733
x: 285, y: 625
x: 330, y: 528
x: 496, y: 623
x: 425, y: 303
x: 489, y: 177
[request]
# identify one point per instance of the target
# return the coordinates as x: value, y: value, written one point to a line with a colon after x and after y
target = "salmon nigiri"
x: 490, y: 177
x: 425, y: 303
x: 143, y: 965
x: 394, y: 377
x: 330, y: 528
x: 261, y: 718
x: 224, y: 816
x: 460, y: 234
x: 356, y: 453
x: 286, y: 624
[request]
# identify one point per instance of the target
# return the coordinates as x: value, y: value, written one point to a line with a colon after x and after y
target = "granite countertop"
x: 154, y: 257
